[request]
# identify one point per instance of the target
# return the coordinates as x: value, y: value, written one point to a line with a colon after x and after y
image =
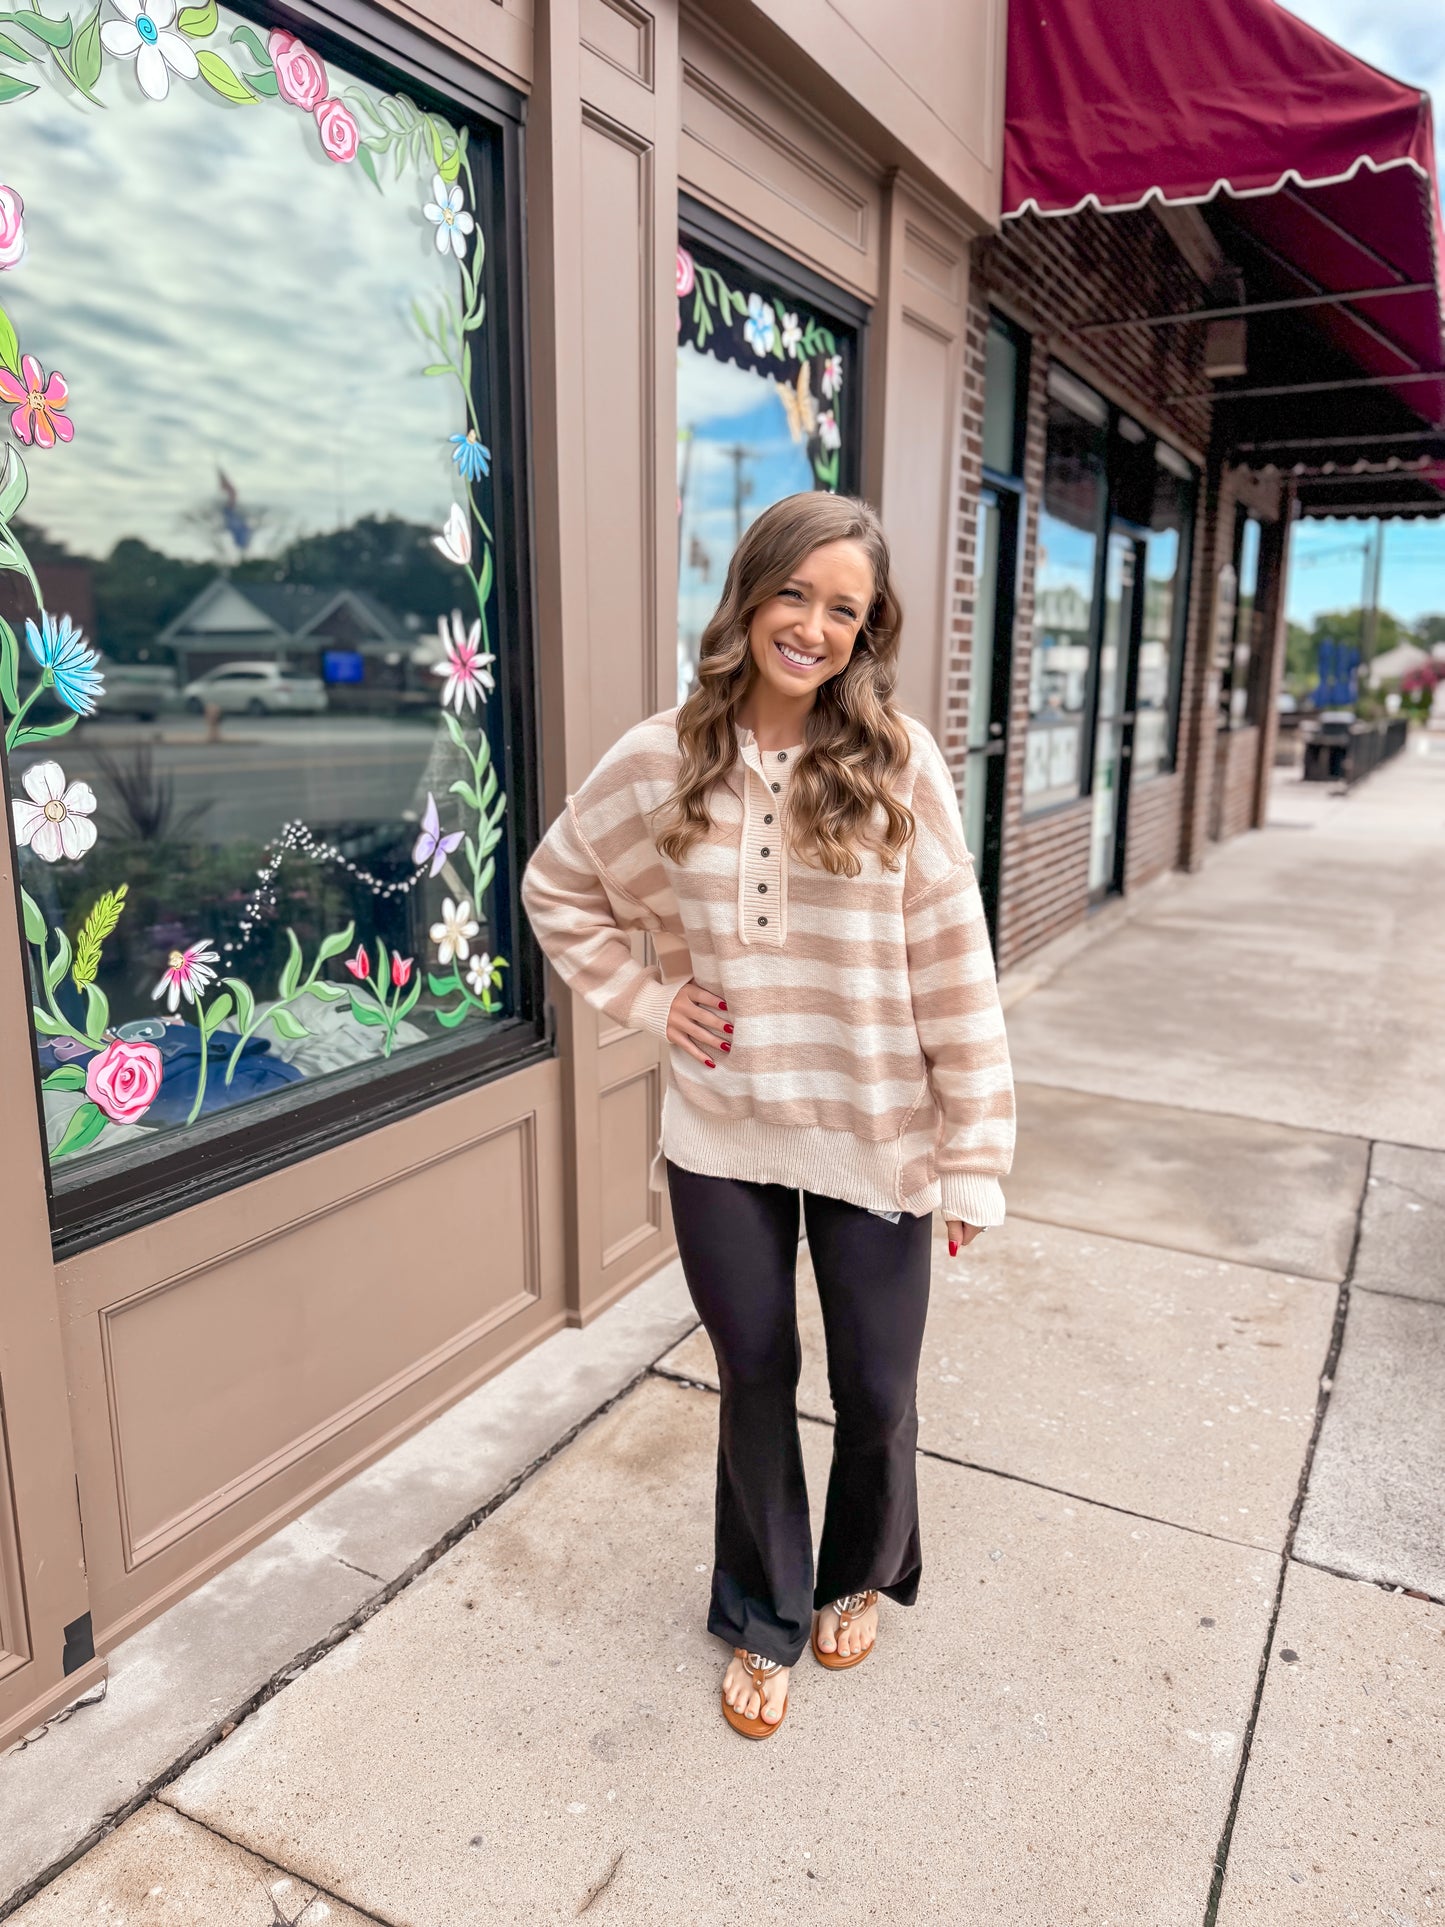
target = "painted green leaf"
x: 263, y: 83
x: 248, y: 38
x: 437, y: 368
x: 485, y: 878
x: 10, y: 356
x: 85, y: 55
x: 382, y: 963
x: 13, y: 479
x: 366, y: 161
x: 47, y: 1025
x: 465, y: 791
x: 223, y: 78
x: 70, y: 1077
x: 408, y: 1003
x: 60, y: 962
x: 216, y: 1013
x: 362, y: 103
x: 336, y: 943
x: 55, y: 33
x: 443, y: 986
x: 326, y: 993
x: 198, y: 21
x: 366, y: 1014
x: 289, y: 1026
x: 9, y: 668
x: 97, y: 1012
x: 13, y: 50
x: 291, y: 975
x: 245, y: 1002
x: 454, y: 730
x: 449, y: 1019
x: 43, y: 732
x: 484, y: 581
x: 451, y: 166
x: 13, y: 89
x: 84, y: 1128
x: 35, y: 926
x: 489, y: 790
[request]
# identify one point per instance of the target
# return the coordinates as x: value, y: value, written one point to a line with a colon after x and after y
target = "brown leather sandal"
x: 761, y: 1669
x: 850, y: 1607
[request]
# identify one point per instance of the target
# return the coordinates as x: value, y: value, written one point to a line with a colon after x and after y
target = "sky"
x: 219, y: 294
x: 1405, y: 38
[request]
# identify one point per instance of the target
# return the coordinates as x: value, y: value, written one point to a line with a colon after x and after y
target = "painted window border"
x: 217, y: 1154
x: 780, y: 272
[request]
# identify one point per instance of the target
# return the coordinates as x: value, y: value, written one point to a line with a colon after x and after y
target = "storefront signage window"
x: 766, y: 407
x: 253, y: 635
x: 1065, y: 591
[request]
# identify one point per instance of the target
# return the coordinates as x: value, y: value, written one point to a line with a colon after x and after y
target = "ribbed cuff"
x: 651, y: 1006
x: 970, y: 1198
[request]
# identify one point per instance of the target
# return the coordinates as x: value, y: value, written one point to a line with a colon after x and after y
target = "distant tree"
x: 1430, y: 630
x: 382, y: 556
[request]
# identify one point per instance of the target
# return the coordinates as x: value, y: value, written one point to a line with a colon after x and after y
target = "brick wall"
x: 1236, y: 774
x: 1051, y: 276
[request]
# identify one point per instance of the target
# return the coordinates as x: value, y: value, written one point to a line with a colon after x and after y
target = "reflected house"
x: 366, y: 654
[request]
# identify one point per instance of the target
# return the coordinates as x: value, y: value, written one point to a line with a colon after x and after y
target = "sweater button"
x: 777, y: 786
x: 762, y: 919
x: 765, y: 851
x: 767, y: 819
x: 782, y: 756
x: 762, y: 887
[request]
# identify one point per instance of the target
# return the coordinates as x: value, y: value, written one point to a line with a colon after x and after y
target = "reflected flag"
x: 232, y: 514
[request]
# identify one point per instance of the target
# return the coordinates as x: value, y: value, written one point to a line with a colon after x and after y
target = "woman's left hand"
x: 961, y: 1236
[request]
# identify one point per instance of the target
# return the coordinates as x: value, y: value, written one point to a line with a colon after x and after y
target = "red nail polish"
x: 722, y: 1006
x: 727, y: 1046
x: 710, y: 1064
x: 952, y: 1249
x: 727, y: 1027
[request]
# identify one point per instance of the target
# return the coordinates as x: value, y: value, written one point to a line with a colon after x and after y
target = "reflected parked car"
x: 257, y: 689
x: 144, y: 689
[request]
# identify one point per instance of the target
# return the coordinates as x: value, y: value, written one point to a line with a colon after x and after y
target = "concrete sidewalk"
x: 1180, y: 1653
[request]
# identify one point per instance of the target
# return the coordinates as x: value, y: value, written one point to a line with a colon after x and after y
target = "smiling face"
x: 805, y: 633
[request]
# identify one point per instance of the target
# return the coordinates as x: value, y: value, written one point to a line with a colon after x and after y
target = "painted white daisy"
x: 144, y: 35
x: 453, y: 223
x: 56, y: 821
x: 187, y: 973
x: 453, y: 935
x: 479, y: 975
x: 465, y: 668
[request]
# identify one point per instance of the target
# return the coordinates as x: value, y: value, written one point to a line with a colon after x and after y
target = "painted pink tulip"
x: 123, y: 1080
x: 360, y: 964
x: 12, y: 227
x: 300, y: 74
x: 36, y: 416
x: 686, y: 275
x: 401, y: 971
x: 338, y: 131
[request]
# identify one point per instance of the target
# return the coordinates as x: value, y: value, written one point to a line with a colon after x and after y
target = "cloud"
x: 1404, y: 38
x: 219, y: 294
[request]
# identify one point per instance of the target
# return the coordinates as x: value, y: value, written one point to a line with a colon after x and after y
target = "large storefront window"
x: 1166, y: 598
x: 1236, y: 647
x: 1065, y: 590
x: 767, y: 371
x: 261, y: 589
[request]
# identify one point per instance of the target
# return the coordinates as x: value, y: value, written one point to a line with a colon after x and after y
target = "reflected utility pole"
x: 742, y: 486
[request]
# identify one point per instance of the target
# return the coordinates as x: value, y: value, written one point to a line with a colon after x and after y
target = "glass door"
x: 1113, y: 720
x: 984, y: 767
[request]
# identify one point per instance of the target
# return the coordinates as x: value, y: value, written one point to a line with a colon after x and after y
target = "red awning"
x: 1325, y: 166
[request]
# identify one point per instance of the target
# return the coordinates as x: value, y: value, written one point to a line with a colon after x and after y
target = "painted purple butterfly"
x: 431, y: 843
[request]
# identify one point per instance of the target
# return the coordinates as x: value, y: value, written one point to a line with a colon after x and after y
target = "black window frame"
x: 241, y: 1146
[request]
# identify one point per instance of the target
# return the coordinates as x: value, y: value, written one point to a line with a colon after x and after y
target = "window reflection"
x: 276, y: 827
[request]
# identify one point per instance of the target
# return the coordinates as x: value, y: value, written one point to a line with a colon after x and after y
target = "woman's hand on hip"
x: 961, y: 1236
x: 699, y: 1024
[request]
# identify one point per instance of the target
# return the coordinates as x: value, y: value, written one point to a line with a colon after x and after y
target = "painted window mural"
x: 765, y: 408
x: 248, y: 626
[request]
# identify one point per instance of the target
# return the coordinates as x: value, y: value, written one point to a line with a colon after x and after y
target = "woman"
x: 794, y: 846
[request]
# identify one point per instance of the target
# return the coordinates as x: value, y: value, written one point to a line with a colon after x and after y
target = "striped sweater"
x: 868, y: 1056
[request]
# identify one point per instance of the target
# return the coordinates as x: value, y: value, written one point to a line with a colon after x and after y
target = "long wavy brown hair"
x: 855, y: 742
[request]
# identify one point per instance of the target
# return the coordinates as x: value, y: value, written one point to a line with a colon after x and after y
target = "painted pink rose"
x: 685, y: 273
x: 12, y: 227
x: 300, y: 74
x: 123, y: 1080
x: 338, y: 131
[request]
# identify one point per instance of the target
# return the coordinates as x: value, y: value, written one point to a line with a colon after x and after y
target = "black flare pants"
x: 738, y: 1243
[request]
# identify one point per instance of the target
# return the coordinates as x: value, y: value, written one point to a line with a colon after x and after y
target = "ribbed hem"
x: 652, y: 1004
x: 835, y: 1164
x: 971, y: 1199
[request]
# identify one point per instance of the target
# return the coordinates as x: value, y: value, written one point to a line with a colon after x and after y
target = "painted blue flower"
x: 472, y: 457
x: 61, y: 648
x: 761, y: 325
